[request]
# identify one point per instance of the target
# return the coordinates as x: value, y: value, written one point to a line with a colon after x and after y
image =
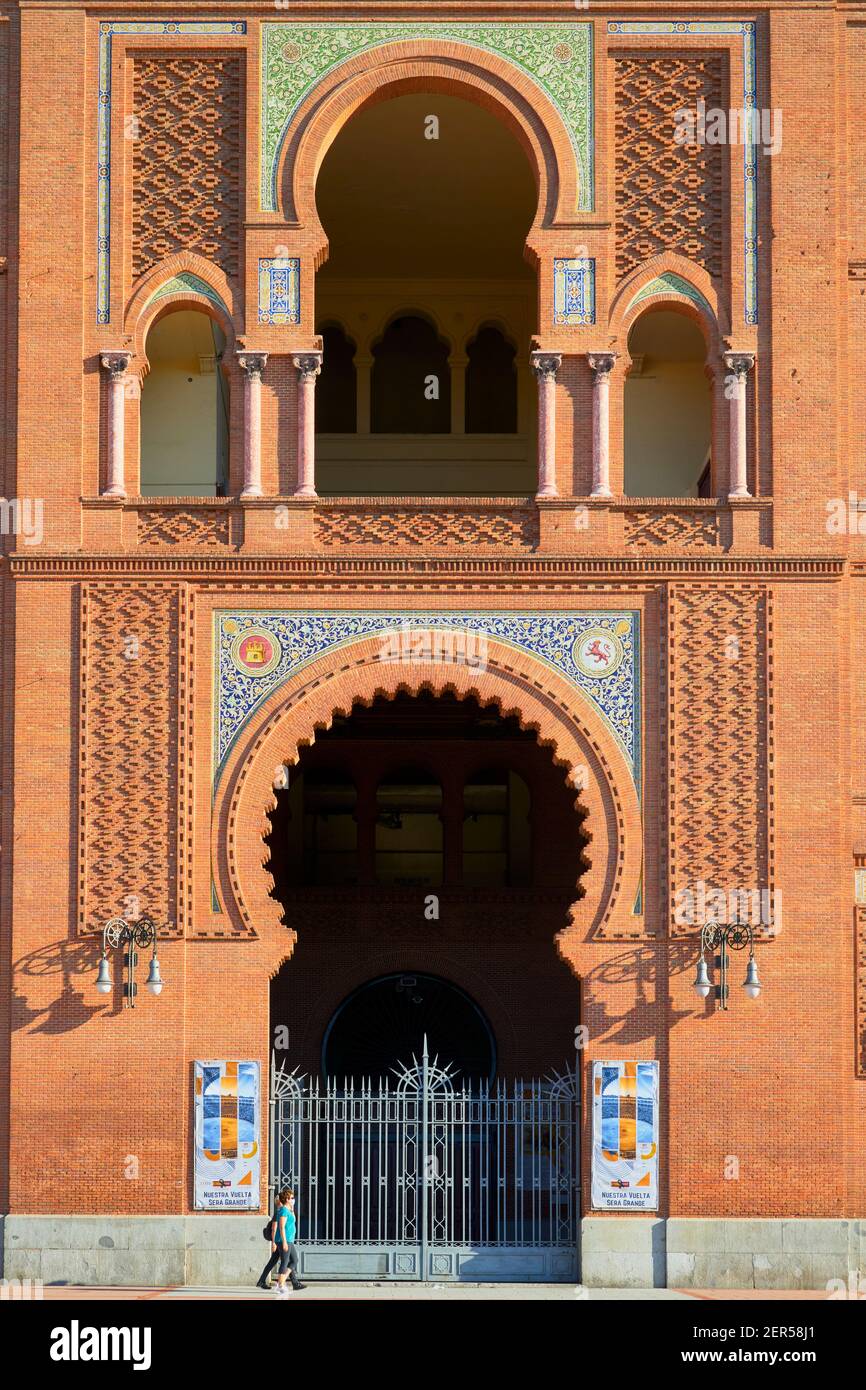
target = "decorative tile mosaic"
x: 258, y: 650
x: 673, y: 287
x: 150, y: 30
x: 279, y: 290
x: 690, y: 29
x: 557, y: 57
x: 187, y: 283
x: 574, y: 290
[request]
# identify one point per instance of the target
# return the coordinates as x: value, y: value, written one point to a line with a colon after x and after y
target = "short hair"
x: 285, y: 1193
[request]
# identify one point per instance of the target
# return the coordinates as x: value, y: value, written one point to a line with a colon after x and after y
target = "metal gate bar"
x: 422, y: 1178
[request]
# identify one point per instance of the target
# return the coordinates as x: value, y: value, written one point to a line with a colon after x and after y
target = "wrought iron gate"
x: 425, y: 1179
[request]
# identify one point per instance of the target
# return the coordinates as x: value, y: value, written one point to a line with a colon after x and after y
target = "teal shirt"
x: 290, y: 1225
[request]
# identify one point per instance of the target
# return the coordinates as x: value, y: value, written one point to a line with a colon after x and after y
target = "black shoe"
x: 296, y: 1288
x: 260, y: 1284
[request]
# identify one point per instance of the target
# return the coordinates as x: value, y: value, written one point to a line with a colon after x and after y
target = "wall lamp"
x: 120, y: 935
x: 722, y: 936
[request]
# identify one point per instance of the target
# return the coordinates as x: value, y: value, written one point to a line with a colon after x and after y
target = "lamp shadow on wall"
x: 76, y: 963
x: 648, y: 968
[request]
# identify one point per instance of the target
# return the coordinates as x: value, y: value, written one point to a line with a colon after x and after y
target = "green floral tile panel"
x: 295, y: 57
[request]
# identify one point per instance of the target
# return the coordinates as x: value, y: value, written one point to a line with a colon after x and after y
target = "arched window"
x: 668, y: 408
x: 409, y: 839
x: 496, y: 830
x: 410, y: 390
x: 337, y: 387
x: 491, y: 384
x: 184, y: 409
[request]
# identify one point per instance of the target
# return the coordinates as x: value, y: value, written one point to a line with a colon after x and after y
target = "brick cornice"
x: 225, y: 570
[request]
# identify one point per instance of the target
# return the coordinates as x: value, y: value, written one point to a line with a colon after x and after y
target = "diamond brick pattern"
x: 650, y: 529
x: 668, y: 195
x: 185, y: 160
x: 428, y: 527
x: 720, y: 825
x: 860, y: 927
x: 204, y: 527
x: 128, y: 767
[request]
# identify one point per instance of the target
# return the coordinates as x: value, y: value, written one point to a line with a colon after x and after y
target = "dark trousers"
x: 287, y: 1258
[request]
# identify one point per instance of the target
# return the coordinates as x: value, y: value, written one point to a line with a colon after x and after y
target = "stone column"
x: 309, y: 364
x: 739, y: 364
x: 363, y: 369
x: 115, y: 365
x: 602, y: 364
x: 546, y: 365
x: 458, y: 364
x: 252, y: 364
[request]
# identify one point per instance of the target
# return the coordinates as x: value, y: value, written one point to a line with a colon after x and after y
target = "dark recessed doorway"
x: 383, y: 1024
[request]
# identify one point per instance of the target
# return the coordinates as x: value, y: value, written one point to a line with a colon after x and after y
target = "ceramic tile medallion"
x: 598, y: 652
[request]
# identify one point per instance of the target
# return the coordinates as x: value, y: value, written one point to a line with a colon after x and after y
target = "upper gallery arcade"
x: 369, y: 269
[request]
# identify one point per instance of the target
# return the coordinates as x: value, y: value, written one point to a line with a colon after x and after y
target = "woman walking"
x: 283, y: 1246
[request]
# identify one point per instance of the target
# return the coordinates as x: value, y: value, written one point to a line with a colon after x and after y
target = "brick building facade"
x: 164, y: 163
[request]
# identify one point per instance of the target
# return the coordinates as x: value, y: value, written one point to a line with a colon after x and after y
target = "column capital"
x: 545, y: 364
x: 602, y: 363
x: 309, y: 364
x: 253, y: 363
x: 115, y: 363
x: 740, y: 363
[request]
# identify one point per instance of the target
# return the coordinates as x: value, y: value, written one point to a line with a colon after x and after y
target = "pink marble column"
x: 545, y: 365
x: 739, y: 364
x: 252, y: 364
x: 309, y: 364
x: 602, y: 364
x: 115, y: 365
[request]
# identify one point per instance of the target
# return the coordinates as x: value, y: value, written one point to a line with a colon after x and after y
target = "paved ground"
x: 441, y: 1292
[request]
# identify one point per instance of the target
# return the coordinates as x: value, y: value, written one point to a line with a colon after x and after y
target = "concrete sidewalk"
x: 449, y: 1293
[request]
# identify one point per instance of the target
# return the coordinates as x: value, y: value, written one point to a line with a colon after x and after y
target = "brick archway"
x: 425, y: 65
x: 519, y: 685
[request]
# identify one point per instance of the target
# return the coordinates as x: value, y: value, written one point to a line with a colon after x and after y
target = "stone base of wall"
x: 632, y: 1252
x: 617, y: 1252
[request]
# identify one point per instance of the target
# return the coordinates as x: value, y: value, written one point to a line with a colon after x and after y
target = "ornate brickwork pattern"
x: 186, y: 159
x: 425, y: 526
x: 719, y: 753
x: 668, y: 195
x: 860, y: 937
x: 650, y: 528
x: 192, y: 528
x: 128, y: 754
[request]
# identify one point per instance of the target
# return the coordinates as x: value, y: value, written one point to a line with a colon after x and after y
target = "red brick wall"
x: 773, y: 1083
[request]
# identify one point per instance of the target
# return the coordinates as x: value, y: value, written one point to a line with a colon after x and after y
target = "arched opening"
x: 427, y: 1017
x: 427, y: 201
x: 411, y: 381
x: 491, y: 383
x: 185, y: 408
x: 337, y: 388
x: 480, y: 846
x: 385, y: 1021
x: 667, y: 428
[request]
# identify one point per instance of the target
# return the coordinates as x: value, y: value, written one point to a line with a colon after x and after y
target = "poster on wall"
x: 227, y: 1138
x: 625, y: 1136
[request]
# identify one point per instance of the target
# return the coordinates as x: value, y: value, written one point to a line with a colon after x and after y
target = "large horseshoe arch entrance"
x: 427, y: 851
